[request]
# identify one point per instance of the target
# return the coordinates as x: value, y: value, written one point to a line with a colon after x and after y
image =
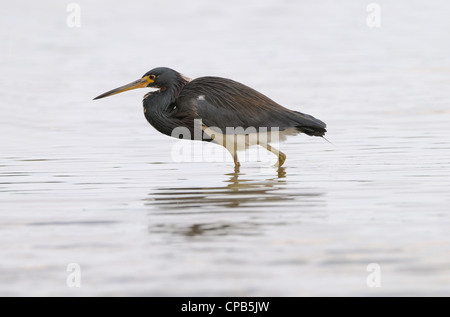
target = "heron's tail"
x: 309, y: 125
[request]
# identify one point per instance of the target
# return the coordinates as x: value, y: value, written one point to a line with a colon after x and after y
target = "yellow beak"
x: 140, y: 83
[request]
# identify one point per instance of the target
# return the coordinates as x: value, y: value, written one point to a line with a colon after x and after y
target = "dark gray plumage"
x: 222, y: 103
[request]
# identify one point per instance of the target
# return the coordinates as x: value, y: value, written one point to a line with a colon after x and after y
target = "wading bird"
x: 227, y: 112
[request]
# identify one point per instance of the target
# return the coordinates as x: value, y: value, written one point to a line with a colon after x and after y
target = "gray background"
x: 92, y: 183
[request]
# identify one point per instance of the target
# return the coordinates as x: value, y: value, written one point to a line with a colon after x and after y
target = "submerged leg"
x: 281, y: 155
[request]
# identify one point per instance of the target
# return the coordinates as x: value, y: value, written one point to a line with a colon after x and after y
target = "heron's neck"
x: 159, y: 107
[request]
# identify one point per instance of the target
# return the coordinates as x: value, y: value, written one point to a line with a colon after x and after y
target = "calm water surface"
x: 92, y: 183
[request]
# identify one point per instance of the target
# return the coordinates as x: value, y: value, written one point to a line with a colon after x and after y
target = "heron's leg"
x: 231, y: 146
x: 236, y: 163
x: 281, y: 155
x: 236, y: 160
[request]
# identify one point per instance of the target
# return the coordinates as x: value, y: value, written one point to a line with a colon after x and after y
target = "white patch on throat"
x: 201, y: 97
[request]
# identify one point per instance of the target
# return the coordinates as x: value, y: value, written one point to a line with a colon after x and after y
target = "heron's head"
x: 160, y: 77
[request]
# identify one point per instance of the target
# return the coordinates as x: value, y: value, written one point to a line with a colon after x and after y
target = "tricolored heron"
x: 227, y: 110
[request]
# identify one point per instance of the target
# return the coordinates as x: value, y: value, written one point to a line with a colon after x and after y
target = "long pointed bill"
x: 140, y: 83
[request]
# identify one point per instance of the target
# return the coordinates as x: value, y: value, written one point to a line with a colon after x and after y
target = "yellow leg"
x: 281, y: 156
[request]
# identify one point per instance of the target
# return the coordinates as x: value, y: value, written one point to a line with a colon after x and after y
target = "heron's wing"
x: 224, y: 103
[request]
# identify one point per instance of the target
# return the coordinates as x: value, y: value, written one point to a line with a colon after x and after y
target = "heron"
x: 228, y: 113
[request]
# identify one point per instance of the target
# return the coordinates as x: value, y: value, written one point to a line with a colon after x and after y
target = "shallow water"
x: 92, y: 183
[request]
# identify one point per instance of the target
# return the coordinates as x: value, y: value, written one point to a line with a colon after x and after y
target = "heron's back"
x: 223, y: 103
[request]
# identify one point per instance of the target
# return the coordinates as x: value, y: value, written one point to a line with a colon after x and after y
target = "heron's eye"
x: 152, y: 77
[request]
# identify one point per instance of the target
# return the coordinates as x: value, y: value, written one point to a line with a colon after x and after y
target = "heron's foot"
x: 281, y: 159
x: 236, y: 163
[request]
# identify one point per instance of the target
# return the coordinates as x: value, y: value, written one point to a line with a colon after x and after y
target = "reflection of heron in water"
x: 239, y: 191
x: 239, y: 197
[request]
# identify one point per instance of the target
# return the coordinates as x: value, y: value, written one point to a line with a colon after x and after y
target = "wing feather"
x: 223, y: 103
